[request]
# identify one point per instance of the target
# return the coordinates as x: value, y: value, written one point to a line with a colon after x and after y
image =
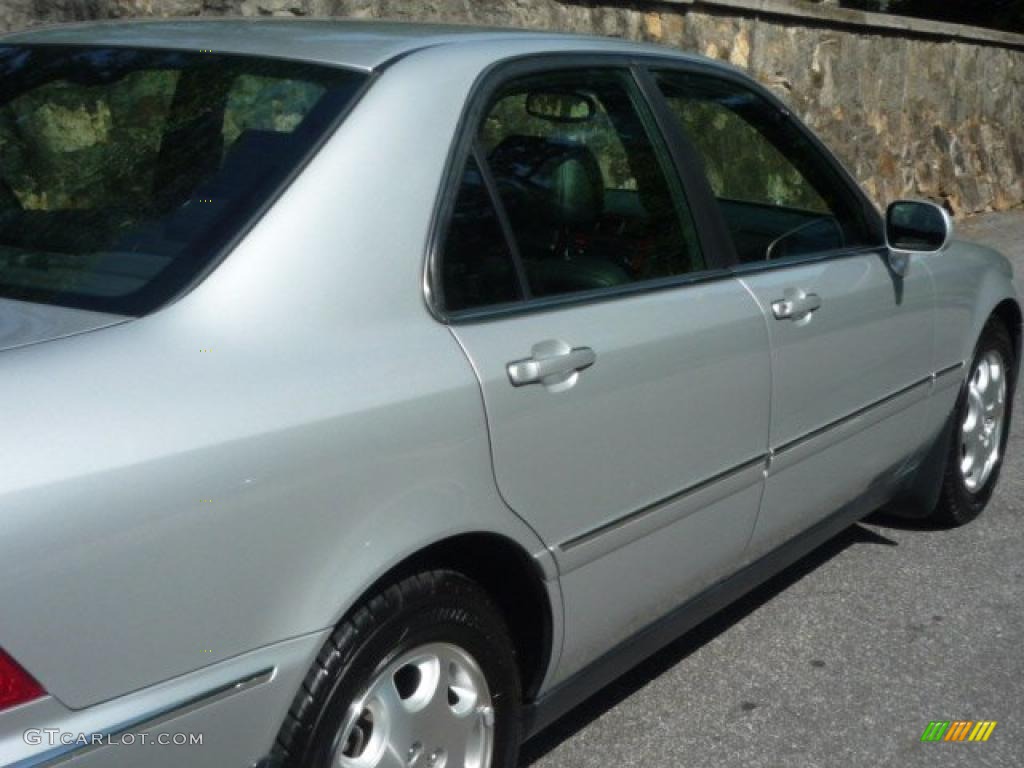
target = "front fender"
x: 971, y: 281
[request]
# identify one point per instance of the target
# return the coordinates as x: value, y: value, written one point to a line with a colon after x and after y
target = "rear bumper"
x: 224, y: 716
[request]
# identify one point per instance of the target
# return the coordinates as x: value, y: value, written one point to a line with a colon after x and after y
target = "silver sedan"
x: 376, y: 393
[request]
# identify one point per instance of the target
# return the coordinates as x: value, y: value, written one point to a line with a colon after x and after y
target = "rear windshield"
x: 124, y: 172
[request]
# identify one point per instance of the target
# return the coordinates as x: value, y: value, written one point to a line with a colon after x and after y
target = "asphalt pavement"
x: 843, y: 659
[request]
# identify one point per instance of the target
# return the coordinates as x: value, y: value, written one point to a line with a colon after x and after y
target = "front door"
x: 851, y: 340
x: 625, y: 375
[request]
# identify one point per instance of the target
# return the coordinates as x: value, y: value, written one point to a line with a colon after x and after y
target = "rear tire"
x: 981, y: 427
x: 423, y: 673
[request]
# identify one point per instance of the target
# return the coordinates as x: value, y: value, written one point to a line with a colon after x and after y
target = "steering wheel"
x: 778, y: 244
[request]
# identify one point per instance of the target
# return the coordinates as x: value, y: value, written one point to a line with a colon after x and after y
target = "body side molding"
x: 574, y: 691
x: 589, y: 545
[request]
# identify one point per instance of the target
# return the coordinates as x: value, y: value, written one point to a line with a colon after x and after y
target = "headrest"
x: 565, y: 176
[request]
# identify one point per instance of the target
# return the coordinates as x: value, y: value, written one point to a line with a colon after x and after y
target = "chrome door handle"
x: 796, y: 306
x: 544, y: 369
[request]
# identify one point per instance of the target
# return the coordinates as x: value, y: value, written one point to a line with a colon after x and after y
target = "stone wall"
x: 933, y: 111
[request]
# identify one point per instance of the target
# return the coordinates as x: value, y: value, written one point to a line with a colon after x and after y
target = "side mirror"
x: 918, y: 227
x: 913, y: 226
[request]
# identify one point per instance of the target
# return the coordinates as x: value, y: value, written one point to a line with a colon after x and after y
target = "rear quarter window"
x: 124, y: 173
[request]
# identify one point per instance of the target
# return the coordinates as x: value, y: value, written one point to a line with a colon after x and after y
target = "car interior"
x: 577, y: 228
x: 589, y: 201
x: 774, y: 190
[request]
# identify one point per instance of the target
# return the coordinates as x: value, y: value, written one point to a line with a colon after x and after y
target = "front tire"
x: 981, y: 426
x: 421, y: 675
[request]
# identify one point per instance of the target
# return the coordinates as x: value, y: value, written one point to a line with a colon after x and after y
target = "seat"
x: 560, y: 180
x: 553, y: 191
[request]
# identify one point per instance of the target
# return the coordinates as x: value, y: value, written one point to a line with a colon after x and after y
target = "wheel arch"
x: 921, y: 494
x: 511, y: 576
x: 1008, y: 312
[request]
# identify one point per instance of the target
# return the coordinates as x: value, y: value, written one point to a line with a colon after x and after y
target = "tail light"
x: 16, y: 685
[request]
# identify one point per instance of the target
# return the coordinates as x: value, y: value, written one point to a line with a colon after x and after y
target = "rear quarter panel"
x: 237, y: 468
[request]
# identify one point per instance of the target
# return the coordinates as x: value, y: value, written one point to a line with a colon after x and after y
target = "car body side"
x: 197, y: 496
x: 190, y: 486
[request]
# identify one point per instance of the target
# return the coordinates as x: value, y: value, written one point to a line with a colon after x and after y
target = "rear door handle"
x: 796, y: 306
x: 550, y: 366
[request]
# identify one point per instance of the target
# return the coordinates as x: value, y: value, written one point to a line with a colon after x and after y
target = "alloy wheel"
x: 429, y: 708
x: 981, y: 434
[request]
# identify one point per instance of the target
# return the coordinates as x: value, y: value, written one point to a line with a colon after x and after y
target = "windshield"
x: 125, y: 172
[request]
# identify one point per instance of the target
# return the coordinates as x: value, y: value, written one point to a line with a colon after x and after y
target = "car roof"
x: 365, y: 45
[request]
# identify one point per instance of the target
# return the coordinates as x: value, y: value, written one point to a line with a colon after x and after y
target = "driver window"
x: 780, y: 198
x: 589, y: 196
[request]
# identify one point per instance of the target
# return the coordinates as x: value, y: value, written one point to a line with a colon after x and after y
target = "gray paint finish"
x: 22, y: 323
x: 363, y: 45
x: 670, y: 364
x: 170, y: 516
x: 357, y: 406
x: 870, y: 339
x: 868, y: 636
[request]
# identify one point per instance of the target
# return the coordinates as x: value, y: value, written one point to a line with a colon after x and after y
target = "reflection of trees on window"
x: 65, y: 146
x: 589, y: 196
x: 509, y: 117
x: 267, y: 104
x: 740, y: 163
x: 122, y: 171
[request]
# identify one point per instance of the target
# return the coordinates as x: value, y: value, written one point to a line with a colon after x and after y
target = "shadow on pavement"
x: 898, y: 522
x: 638, y: 677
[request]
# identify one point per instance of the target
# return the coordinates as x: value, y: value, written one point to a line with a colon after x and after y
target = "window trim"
x: 833, y: 254
x: 689, y: 168
x: 716, y: 243
x: 872, y: 217
x: 569, y: 300
x: 490, y: 81
x: 504, y: 225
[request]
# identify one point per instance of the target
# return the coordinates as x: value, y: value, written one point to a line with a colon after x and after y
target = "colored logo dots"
x: 958, y: 730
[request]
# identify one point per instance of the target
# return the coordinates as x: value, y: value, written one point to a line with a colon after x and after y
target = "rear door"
x: 625, y: 373
x: 851, y: 339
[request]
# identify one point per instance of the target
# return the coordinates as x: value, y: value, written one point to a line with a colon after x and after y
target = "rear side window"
x: 584, y: 187
x: 124, y: 172
x: 780, y: 196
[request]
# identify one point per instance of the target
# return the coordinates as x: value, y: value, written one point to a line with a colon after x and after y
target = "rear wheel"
x: 423, y: 675
x: 981, y: 427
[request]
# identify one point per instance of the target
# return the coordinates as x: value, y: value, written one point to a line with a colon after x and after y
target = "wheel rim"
x: 981, y: 434
x: 430, y: 708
